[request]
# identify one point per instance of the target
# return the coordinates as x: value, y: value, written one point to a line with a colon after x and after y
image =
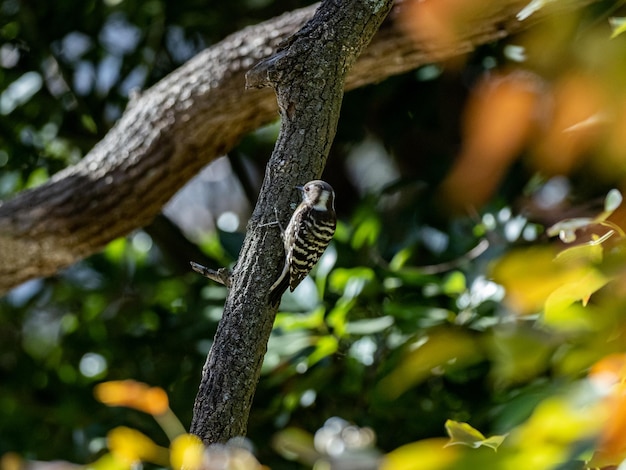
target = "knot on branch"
x: 267, y: 72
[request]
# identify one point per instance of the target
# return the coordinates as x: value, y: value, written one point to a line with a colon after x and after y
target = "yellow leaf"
x: 186, y: 452
x: 529, y: 276
x: 109, y: 462
x: 131, y: 446
x: 589, y: 281
x: 464, y: 434
x: 560, y: 422
x: 591, y: 252
x: 441, y: 350
x: 428, y: 454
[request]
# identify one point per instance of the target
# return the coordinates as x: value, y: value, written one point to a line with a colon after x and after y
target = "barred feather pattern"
x: 308, y: 234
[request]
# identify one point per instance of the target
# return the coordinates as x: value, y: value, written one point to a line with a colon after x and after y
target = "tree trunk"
x: 308, y: 76
x: 194, y: 115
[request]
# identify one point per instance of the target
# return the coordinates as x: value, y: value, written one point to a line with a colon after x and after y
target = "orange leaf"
x: 132, y: 394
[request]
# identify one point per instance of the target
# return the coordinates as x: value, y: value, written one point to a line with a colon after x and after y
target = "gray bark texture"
x: 191, y: 117
x: 308, y: 75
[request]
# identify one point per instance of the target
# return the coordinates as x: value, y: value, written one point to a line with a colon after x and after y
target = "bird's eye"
x: 306, y: 188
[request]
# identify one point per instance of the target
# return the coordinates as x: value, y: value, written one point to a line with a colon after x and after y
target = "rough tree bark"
x: 308, y: 76
x: 168, y: 133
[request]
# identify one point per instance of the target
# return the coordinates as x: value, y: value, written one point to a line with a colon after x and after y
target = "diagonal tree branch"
x: 308, y: 76
x: 194, y: 115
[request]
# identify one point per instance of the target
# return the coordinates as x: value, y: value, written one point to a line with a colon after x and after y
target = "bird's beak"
x: 300, y: 188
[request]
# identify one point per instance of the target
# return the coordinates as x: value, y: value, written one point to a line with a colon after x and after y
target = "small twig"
x: 472, y: 254
x: 222, y: 275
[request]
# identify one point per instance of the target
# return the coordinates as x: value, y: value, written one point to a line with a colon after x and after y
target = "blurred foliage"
x: 475, y: 285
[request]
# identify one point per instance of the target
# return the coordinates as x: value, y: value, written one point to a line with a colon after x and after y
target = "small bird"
x: 307, y: 235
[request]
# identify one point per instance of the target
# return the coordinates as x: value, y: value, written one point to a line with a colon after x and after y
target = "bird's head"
x: 319, y: 194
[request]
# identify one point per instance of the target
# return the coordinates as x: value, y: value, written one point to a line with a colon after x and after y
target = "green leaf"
x: 400, y: 259
x: 366, y: 233
x: 37, y: 178
x: 88, y: 123
x: 336, y: 318
x: 115, y: 250
x: 294, y: 321
x: 454, y: 283
x: 212, y: 246
x: 464, y: 434
x: 350, y: 282
x: 324, y: 347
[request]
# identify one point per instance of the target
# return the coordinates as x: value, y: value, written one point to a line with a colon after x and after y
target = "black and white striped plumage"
x: 309, y: 232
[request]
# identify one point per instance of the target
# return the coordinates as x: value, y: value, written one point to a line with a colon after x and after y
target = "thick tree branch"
x: 308, y: 76
x: 166, y: 135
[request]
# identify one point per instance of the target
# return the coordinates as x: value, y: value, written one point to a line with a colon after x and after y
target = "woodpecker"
x: 307, y: 235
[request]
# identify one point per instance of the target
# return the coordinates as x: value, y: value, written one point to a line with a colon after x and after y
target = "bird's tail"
x: 279, y: 287
x: 277, y: 292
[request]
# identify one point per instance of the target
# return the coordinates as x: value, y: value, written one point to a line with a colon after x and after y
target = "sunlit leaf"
x: 400, y: 259
x: 110, y: 461
x: 579, y: 289
x: 133, y: 447
x: 590, y: 252
x: 212, y: 246
x: 454, y: 283
x: 337, y: 317
x: 324, y: 347
x: 115, y: 249
x: 618, y: 25
x: 38, y: 177
x: 292, y: 322
x: 443, y: 350
x: 530, y: 275
x: 366, y: 233
x: 132, y: 394
x: 464, y: 434
x: 575, y: 318
x: 350, y: 282
x: 186, y: 452
x: 559, y: 422
x: 431, y: 454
